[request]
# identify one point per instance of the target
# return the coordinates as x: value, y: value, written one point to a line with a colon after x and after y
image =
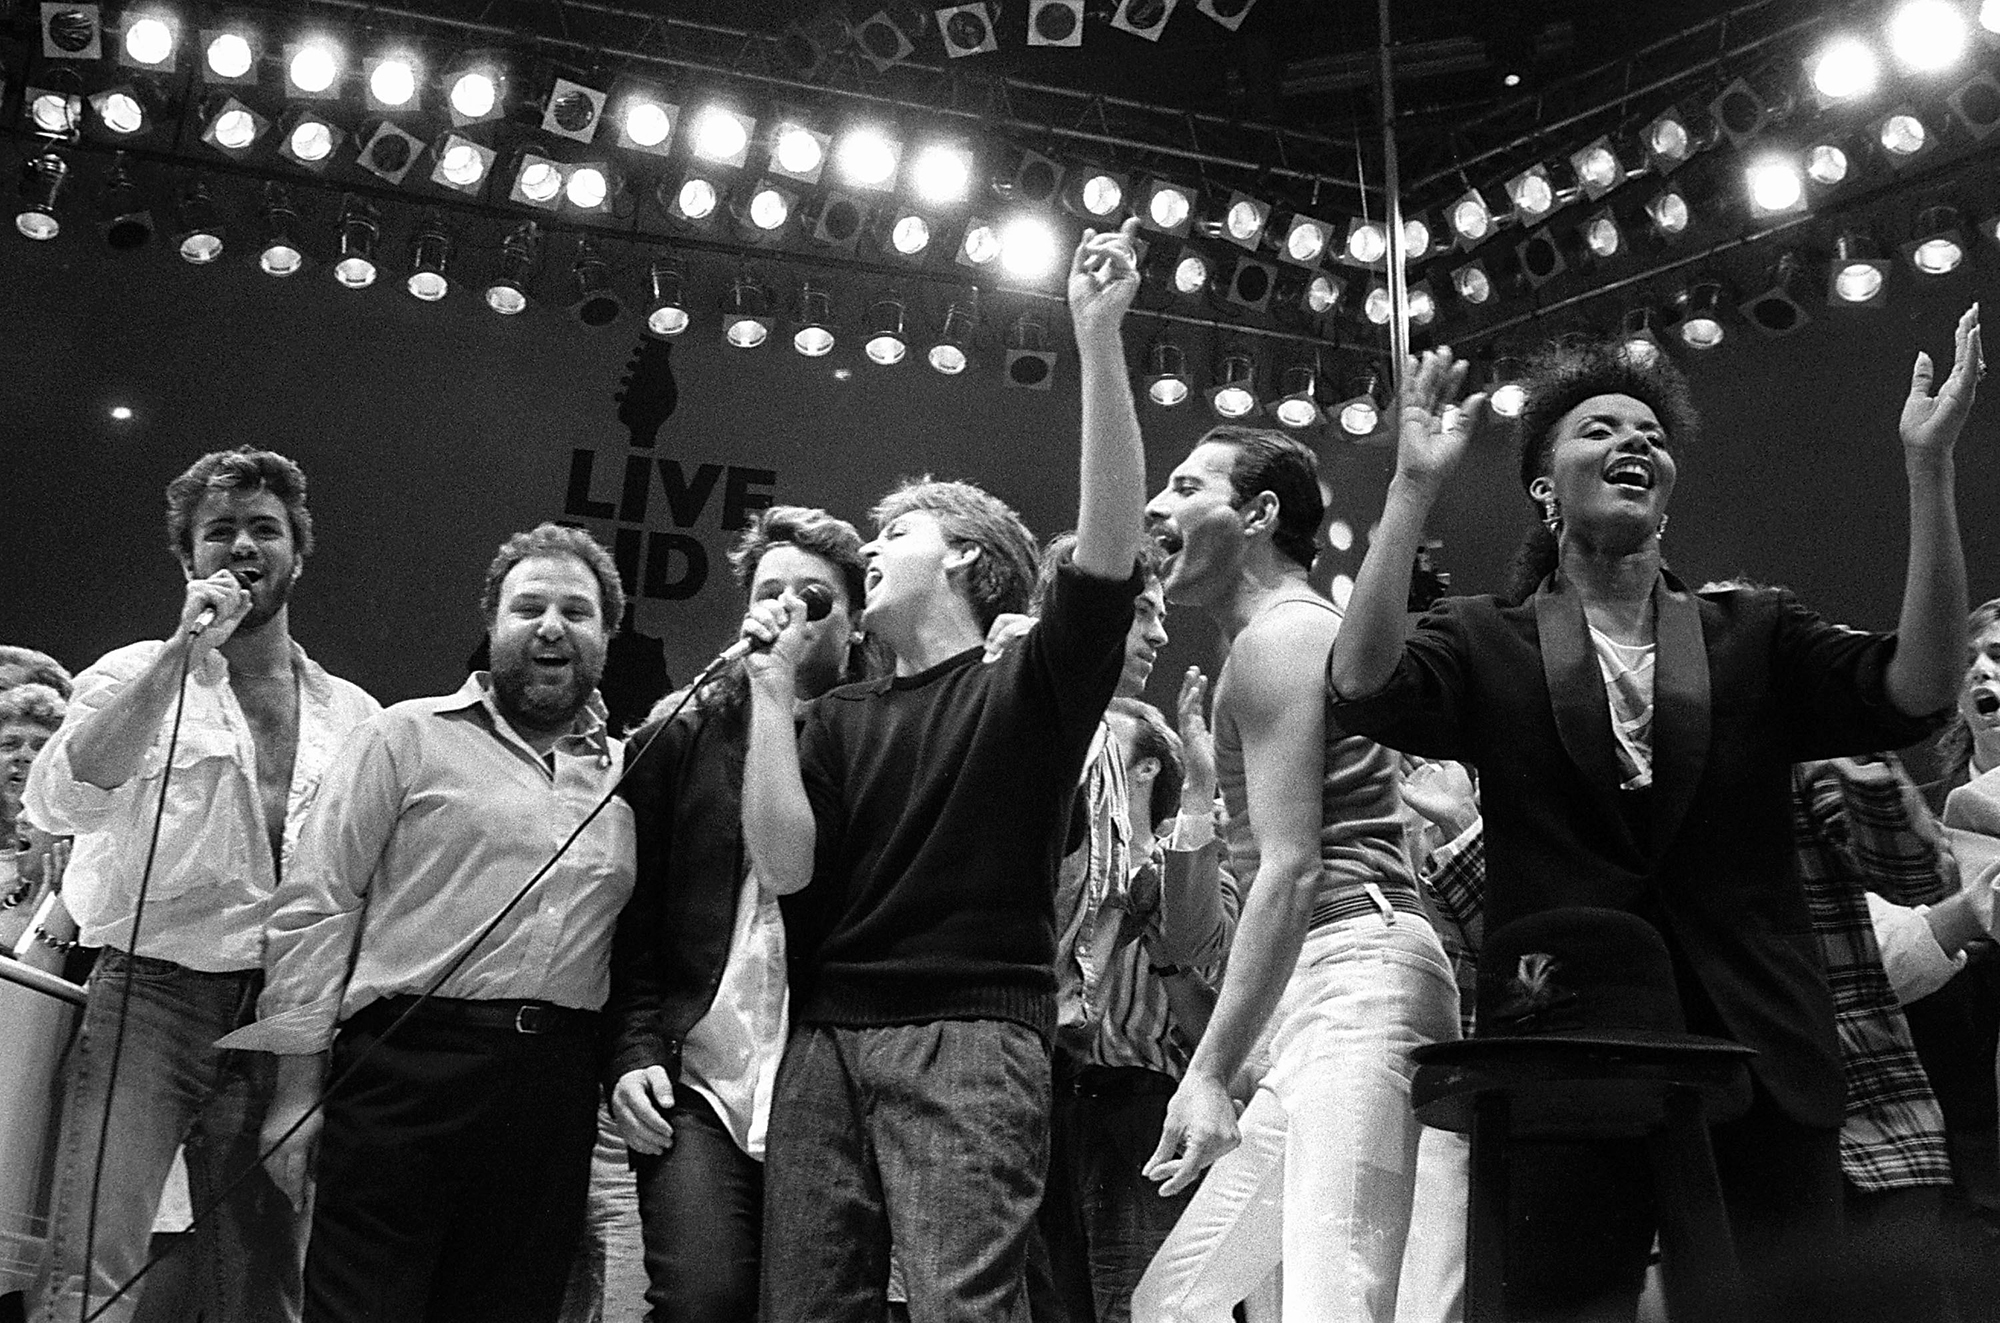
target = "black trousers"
x: 453, y: 1168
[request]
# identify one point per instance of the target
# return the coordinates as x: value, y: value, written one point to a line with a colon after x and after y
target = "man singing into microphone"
x: 180, y: 914
x: 920, y: 819
x: 461, y: 1101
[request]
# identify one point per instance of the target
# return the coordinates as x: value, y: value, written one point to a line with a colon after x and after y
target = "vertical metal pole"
x: 1392, y: 188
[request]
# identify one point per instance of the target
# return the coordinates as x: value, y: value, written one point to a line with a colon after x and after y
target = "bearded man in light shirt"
x: 461, y: 1105
x: 257, y: 724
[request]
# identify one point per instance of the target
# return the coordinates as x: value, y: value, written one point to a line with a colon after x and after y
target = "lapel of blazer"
x: 1576, y: 692
x: 1680, y: 707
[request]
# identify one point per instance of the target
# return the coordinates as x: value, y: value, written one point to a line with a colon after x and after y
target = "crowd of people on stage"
x: 910, y: 965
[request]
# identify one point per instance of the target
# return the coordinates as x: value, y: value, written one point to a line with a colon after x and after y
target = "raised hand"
x: 1197, y: 741
x: 1103, y: 277
x: 1434, y: 427
x: 1931, y: 423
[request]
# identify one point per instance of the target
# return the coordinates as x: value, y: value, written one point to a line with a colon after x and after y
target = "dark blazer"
x: 1746, y: 683
x: 672, y: 941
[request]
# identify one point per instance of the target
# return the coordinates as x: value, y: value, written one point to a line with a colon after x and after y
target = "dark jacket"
x: 1746, y: 683
x: 686, y: 792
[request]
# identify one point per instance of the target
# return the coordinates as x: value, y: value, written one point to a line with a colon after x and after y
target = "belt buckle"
x: 530, y: 1020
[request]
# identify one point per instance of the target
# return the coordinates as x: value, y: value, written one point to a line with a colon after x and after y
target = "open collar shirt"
x: 213, y: 874
x: 431, y: 820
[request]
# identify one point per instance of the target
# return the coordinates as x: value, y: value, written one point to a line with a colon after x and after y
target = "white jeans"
x: 1324, y: 1178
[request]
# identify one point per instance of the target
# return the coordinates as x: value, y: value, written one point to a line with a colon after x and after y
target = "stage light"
x: 941, y: 176
x: 1363, y: 401
x: 723, y: 136
x: 1423, y: 304
x: 746, y: 314
x: 1234, y: 392
x: 646, y: 123
x: 1533, y: 193
x: 1826, y: 164
x: 666, y: 303
x: 837, y: 221
x: 1055, y: 22
x: 1229, y: 13
x: 967, y: 30
x: 538, y: 181
x: 198, y: 226
x: 587, y: 187
x: 1507, y: 397
x: 1927, y: 35
x: 311, y: 141
x: 1937, y: 246
x: 798, y: 151
x: 1243, y: 220
x: 1989, y: 16
x: 462, y: 164
x: 1143, y: 18
x: 234, y: 127
x: 121, y: 110
x: 1322, y: 294
x: 867, y: 158
x: 229, y: 56
x: 354, y: 265
x: 123, y: 212
x: 1775, y: 184
x: 1903, y: 136
x: 1297, y: 405
x: 1845, y: 70
x: 573, y: 111
x: 1472, y: 283
x: 593, y: 301
x: 1858, y: 275
x: 1598, y: 169
x: 1416, y: 239
x: 886, y: 343
x: 1190, y: 273
x: 695, y: 200
x: 475, y: 95
x: 1251, y: 283
x: 947, y: 353
x: 1165, y: 207
x: 1670, y: 142
x: 1027, y: 176
x: 1471, y: 219
x: 1166, y: 373
x: 54, y: 112
x: 1367, y: 242
x: 1540, y: 258
x: 520, y: 257
x: 390, y: 153
x: 1700, y: 308
x: 71, y: 32
x: 392, y: 81
x: 908, y: 234
x: 1028, y: 248
x: 1989, y: 227
x: 1777, y: 310
x: 1742, y: 111
x: 430, y: 254
x: 1602, y: 238
x: 1031, y: 364
x: 1976, y: 104
x: 1092, y: 193
x: 149, y: 41
x: 1377, y: 306
x: 981, y: 244
x: 814, y: 337
x: 1306, y: 241
x: 1639, y: 336
x: 767, y: 209
x: 280, y: 255
x: 1669, y: 214
x: 311, y: 68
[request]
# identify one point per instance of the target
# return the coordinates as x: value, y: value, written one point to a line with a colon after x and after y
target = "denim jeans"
x: 173, y: 1087
x: 932, y: 1137
x: 1325, y: 1175
x: 701, y: 1206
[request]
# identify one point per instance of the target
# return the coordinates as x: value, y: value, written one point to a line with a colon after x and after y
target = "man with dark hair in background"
x: 258, y: 724
x: 926, y: 811
x: 454, y: 1153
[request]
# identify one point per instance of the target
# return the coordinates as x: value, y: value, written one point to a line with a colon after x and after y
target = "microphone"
x: 244, y: 580
x: 819, y: 605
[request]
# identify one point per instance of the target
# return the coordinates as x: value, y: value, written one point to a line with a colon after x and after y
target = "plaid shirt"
x: 1859, y: 825
x: 1454, y: 878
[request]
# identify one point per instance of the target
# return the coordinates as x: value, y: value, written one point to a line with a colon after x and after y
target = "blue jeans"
x: 701, y: 1206
x: 933, y: 1137
x: 173, y: 1088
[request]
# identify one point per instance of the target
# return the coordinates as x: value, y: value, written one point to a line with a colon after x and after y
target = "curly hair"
x: 810, y: 530
x: 1286, y: 467
x: 244, y: 469
x: 1003, y: 574
x: 36, y: 704
x: 557, y: 540
x: 35, y: 668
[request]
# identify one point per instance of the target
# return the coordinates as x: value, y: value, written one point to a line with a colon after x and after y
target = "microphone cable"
x: 707, y: 674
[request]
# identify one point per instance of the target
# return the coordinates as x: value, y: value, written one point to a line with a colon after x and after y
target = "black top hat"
x: 1579, y: 1017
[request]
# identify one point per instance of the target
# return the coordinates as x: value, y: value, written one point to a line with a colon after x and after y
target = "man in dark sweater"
x: 921, y: 819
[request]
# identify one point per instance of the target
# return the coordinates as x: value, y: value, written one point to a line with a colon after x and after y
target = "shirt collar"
x: 312, y: 677
x: 589, y: 734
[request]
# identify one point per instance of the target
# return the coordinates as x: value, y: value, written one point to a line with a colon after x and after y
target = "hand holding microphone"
x: 217, y: 599
x: 769, y: 619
